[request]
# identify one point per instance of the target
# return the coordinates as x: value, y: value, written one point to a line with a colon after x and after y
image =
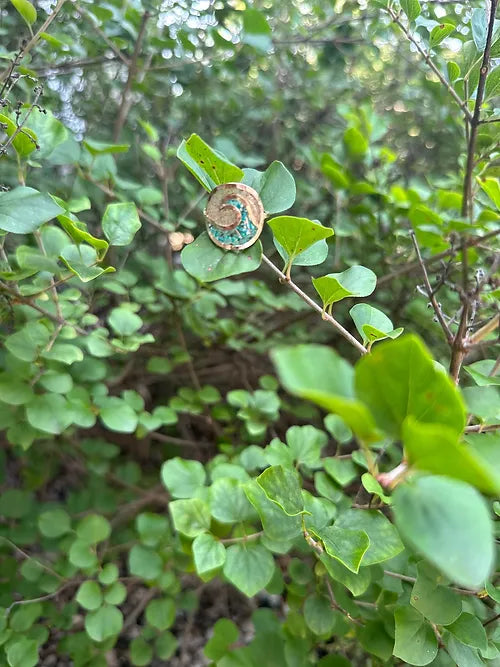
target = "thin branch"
x: 412, y: 266
x: 481, y: 333
x: 36, y: 36
x: 412, y: 580
x: 490, y: 620
x: 19, y: 128
x: 481, y: 428
x: 430, y: 292
x: 427, y: 58
x: 243, y: 538
x: 126, y: 101
x: 361, y: 348
x: 35, y: 560
x: 335, y: 605
x: 103, y: 36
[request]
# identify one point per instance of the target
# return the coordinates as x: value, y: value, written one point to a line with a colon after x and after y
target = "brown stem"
x: 459, y: 345
x: 474, y: 121
x: 361, y: 348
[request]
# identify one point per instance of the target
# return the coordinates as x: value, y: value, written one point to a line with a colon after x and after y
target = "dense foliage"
x: 286, y: 455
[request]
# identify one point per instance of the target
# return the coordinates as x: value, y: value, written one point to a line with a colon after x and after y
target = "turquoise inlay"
x: 244, y: 232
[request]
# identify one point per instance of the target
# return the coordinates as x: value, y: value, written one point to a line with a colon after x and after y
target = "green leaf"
x: 492, y: 88
x: 282, y: 487
x: 183, y: 478
x: 93, y: 528
x: 225, y: 633
x: 346, y: 545
x: 108, y: 574
x: 462, y: 655
x: 209, y: 554
x: 249, y: 567
x: 434, y: 599
x: 319, y: 615
x: 120, y: 223
x: 27, y: 343
x: 318, y: 374
x: 384, y: 538
x: 453, y: 70
x: 411, y: 8
x: 116, y: 593
x: 415, y: 641
x: 89, y: 595
x: 82, y: 260
x: 373, y: 638
x: 483, y: 402
x: 141, y: 653
x: 314, y: 255
x: 25, y: 141
x: 399, y: 379
x: 355, y: 143
x: 448, y: 522
x: 275, y: 186
x: 492, y: 188
x: 207, y: 166
x: 104, y: 623
x: 435, y: 448
x: 152, y: 528
x: 160, y: 613
x: 80, y: 235
x: 49, y: 131
x: 354, y: 282
x: 54, y: 523
x: 82, y: 555
x: 373, y: 486
x: 228, y: 502
x: 166, y: 645
x: 191, y: 516
x: 117, y: 415
x: 22, y: 619
x: 124, y: 322
x: 343, y: 471
x: 297, y: 234
x: 95, y: 147
x: 306, y: 443
x: 207, y: 262
x: 469, y: 630
x: 26, y: 9
x: 144, y: 562
x: 481, y: 371
x: 372, y: 324
x: 440, y: 32
x: 277, y: 526
x: 23, y: 210
x: 22, y: 652
x: 14, y: 392
x: 49, y: 413
x: 64, y: 352
x: 356, y: 583
x: 479, y: 25
x: 256, y: 30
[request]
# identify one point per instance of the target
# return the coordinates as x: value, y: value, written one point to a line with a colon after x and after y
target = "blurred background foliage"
x: 376, y: 144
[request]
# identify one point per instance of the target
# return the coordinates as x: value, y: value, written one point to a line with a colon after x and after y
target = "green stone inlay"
x: 241, y: 234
